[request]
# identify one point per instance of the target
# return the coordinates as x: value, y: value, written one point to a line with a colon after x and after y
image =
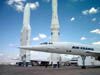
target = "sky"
x: 79, y: 22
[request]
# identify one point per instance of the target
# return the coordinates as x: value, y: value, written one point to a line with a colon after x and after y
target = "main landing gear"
x: 83, y: 62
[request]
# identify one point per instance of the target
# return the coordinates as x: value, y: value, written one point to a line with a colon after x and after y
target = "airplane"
x: 67, y: 48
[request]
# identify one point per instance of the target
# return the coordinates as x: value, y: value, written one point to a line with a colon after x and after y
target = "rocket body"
x: 54, y: 58
x: 25, y: 34
x: 55, y: 22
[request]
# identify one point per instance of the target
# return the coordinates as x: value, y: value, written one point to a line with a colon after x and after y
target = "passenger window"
x: 73, y: 47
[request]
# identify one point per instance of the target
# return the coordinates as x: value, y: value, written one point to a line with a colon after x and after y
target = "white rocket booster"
x: 54, y: 58
x: 25, y: 34
x: 55, y: 22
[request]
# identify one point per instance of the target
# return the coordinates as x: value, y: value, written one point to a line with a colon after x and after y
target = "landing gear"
x: 23, y: 64
x: 19, y: 63
x: 56, y: 65
x: 83, y: 62
x: 26, y: 64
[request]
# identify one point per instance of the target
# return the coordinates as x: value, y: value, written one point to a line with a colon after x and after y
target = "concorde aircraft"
x: 67, y: 48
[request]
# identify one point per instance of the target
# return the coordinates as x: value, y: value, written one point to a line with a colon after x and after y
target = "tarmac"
x: 40, y: 70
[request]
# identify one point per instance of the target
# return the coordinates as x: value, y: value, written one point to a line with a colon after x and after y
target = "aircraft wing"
x: 94, y: 52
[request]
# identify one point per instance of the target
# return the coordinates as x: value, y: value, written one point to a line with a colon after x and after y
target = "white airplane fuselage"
x: 66, y: 48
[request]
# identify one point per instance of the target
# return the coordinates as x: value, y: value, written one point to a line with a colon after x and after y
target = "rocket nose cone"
x: 27, y: 5
x: 26, y: 16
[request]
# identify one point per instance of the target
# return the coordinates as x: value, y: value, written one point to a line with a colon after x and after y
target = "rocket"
x: 54, y: 58
x: 25, y: 34
x: 26, y: 17
x: 54, y: 22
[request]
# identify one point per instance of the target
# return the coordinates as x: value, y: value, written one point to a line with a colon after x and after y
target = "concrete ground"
x: 37, y: 70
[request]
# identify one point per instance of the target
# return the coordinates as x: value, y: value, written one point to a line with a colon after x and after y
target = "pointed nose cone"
x: 54, y: 5
x: 55, y: 21
x: 26, y: 18
x: 27, y: 5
